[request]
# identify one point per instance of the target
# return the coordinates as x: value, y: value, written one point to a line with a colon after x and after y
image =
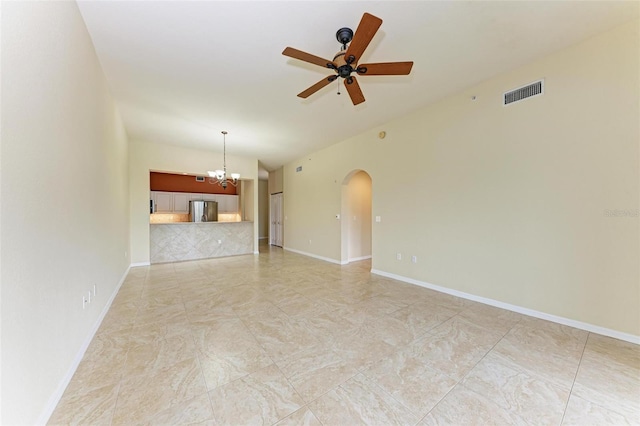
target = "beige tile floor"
x: 284, y: 339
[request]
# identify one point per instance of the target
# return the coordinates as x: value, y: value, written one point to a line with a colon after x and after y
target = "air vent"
x: 524, y: 92
x: 298, y: 169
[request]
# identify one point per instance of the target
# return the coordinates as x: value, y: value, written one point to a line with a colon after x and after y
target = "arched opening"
x: 356, y: 217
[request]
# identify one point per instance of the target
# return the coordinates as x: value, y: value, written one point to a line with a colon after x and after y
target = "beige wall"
x: 58, y: 122
x: 276, y: 181
x: 145, y: 156
x: 263, y: 209
x: 506, y: 203
x: 357, y: 216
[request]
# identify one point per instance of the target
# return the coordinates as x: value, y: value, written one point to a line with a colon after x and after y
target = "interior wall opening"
x: 356, y: 229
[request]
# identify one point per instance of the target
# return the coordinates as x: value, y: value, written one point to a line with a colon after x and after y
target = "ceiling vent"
x: 533, y: 89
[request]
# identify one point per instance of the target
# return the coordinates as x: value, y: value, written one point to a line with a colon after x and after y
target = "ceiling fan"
x: 345, y: 62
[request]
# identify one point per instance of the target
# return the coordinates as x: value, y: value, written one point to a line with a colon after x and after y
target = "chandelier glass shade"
x: 220, y: 176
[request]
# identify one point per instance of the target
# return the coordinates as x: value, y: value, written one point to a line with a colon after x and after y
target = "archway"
x: 356, y: 217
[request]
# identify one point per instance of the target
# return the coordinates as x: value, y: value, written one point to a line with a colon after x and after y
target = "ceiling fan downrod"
x: 341, y: 64
x: 344, y: 37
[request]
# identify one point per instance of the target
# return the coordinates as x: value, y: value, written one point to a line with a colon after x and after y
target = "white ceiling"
x: 182, y: 71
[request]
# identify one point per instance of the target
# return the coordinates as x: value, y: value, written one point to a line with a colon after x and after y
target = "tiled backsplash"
x: 228, y: 217
x: 174, y: 218
x: 168, y: 218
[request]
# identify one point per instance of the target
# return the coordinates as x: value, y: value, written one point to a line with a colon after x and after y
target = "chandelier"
x: 220, y: 176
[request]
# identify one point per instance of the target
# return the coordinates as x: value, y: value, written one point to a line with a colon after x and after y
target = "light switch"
x: 338, y: 216
x: 378, y: 219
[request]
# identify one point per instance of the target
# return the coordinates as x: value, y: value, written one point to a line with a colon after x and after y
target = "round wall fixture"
x: 382, y: 134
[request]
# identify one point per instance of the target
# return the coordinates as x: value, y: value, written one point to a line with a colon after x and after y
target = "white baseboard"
x: 62, y: 386
x: 327, y: 259
x: 315, y: 256
x: 133, y: 265
x: 357, y: 259
x: 519, y: 309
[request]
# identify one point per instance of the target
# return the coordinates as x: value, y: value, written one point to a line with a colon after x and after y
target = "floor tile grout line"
x: 292, y: 387
x: 273, y: 362
x: 115, y: 405
x: 458, y: 382
x: 374, y: 382
x: 575, y: 377
x: 124, y: 364
x: 519, y: 368
x: 160, y: 338
x: 306, y: 403
x: 197, y: 358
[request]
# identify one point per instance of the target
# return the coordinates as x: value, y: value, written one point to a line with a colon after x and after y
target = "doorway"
x: 356, y: 232
x: 276, y: 231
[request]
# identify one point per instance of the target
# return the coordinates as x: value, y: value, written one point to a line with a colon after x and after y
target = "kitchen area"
x: 193, y: 217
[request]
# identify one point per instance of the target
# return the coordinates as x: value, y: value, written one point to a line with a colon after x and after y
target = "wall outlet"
x: 414, y: 259
x: 219, y: 241
x: 338, y: 216
x: 398, y: 256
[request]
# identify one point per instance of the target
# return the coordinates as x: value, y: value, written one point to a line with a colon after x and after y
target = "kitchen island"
x: 175, y: 242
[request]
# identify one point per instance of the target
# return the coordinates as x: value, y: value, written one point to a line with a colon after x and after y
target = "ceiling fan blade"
x: 319, y: 85
x: 307, y: 57
x: 367, y: 28
x: 386, y: 68
x: 354, y: 90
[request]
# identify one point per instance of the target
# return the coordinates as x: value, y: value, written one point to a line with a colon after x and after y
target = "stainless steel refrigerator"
x: 203, y: 211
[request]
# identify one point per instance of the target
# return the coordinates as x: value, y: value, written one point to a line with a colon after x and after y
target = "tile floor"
x: 285, y: 339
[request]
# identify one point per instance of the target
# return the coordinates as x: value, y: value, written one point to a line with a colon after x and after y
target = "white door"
x: 276, y: 222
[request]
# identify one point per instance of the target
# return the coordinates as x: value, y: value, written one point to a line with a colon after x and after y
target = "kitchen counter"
x: 174, y: 242
x: 197, y: 223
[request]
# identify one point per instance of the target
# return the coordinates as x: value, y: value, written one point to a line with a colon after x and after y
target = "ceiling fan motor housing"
x: 342, y: 67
